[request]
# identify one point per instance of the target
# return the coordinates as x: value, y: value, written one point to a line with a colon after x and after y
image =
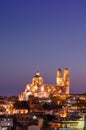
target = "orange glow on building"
x: 39, y: 89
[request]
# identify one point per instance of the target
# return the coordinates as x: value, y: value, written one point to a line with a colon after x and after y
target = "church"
x: 41, y: 90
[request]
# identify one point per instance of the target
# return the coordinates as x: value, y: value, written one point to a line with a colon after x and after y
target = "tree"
x: 45, y: 125
x: 21, y: 105
x: 51, y: 106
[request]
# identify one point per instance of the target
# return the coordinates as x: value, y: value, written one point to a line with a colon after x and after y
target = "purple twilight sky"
x: 42, y: 35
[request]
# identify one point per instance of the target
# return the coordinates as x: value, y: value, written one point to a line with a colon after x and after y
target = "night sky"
x: 42, y: 35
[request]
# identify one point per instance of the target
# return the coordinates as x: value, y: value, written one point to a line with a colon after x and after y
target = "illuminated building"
x: 63, y: 81
x: 41, y: 90
x: 37, y: 79
x: 59, y: 79
x: 74, y: 123
x: 66, y: 80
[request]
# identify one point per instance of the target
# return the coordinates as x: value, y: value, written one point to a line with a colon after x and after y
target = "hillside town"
x: 44, y: 107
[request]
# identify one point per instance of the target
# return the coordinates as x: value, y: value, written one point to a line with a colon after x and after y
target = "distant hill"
x: 84, y: 93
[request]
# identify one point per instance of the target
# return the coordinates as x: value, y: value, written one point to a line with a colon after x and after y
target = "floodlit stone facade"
x: 41, y: 90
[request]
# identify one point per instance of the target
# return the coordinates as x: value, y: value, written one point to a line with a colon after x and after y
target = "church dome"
x: 59, y: 73
x: 37, y: 74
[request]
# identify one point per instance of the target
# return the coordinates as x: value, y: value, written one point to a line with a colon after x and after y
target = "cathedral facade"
x: 41, y: 90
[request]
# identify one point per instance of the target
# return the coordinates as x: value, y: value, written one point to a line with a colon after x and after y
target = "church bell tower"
x: 59, y: 81
x: 66, y: 79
